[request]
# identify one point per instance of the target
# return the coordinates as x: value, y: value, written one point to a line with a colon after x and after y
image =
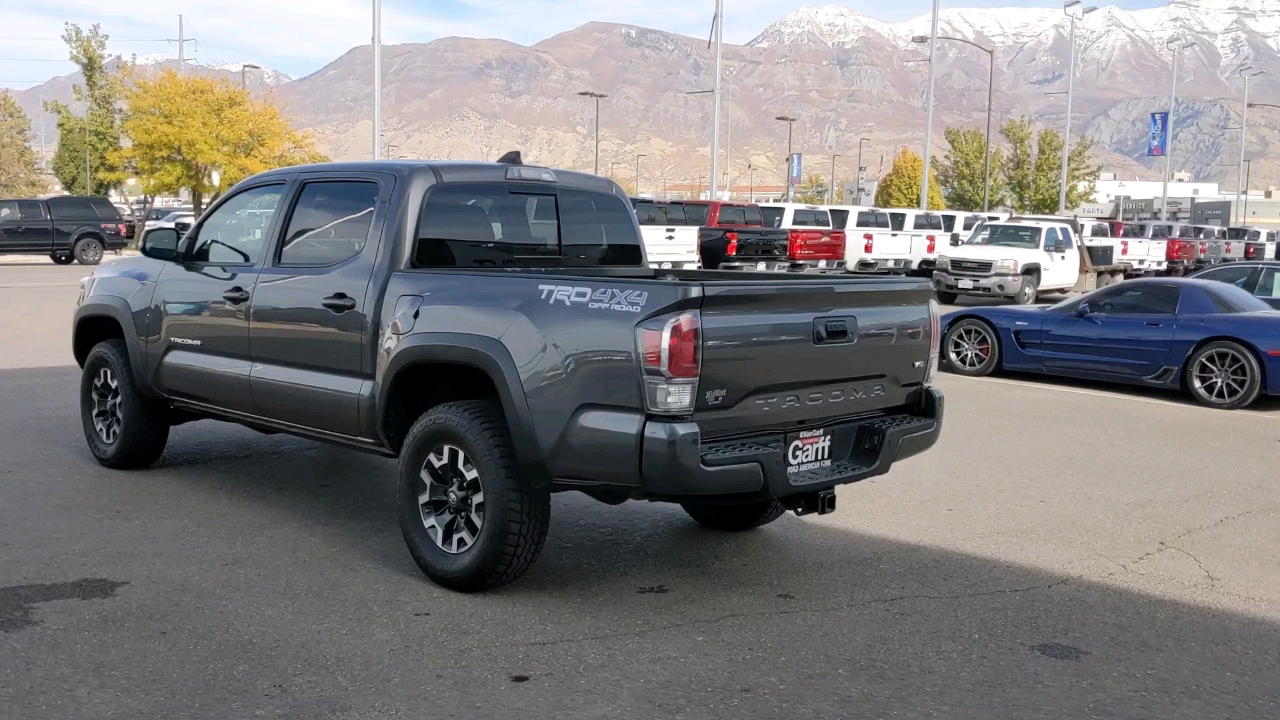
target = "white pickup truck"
x: 1019, y: 259
x: 1144, y: 247
x: 670, y: 242
x: 926, y: 232
x: 870, y: 243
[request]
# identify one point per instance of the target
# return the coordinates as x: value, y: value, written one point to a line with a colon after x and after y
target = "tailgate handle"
x: 827, y: 331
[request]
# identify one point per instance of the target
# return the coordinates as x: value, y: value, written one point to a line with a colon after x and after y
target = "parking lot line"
x: 1100, y: 393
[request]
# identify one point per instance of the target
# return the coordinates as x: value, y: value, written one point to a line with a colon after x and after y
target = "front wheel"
x: 470, y: 520
x: 1224, y: 375
x: 1027, y: 293
x: 736, y: 517
x: 947, y: 298
x: 971, y: 348
x: 88, y: 251
x: 124, y: 429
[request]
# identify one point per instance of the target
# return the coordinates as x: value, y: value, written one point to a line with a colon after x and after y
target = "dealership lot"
x: 1066, y: 550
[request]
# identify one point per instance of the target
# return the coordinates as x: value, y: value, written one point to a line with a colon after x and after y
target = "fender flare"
x: 489, y: 356
x: 117, y: 309
x: 1032, y: 266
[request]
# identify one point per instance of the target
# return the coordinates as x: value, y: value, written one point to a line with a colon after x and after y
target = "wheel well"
x: 1032, y: 270
x: 418, y: 388
x: 1257, y: 355
x: 90, y: 234
x: 91, y: 331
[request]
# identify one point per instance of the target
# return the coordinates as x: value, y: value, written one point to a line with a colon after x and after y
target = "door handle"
x: 236, y: 295
x: 339, y: 303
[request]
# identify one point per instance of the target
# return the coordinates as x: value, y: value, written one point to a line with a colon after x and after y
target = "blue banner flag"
x: 1158, y: 142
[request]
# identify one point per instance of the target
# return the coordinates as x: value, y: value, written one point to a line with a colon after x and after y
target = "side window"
x: 897, y: 221
x: 1238, y: 276
x: 8, y: 211
x: 772, y: 216
x: 31, y: 210
x: 1140, y: 299
x: 1050, y: 239
x: 811, y: 218
x: 330, y: 223
x: 1269, y: 284
x: 948, y: 222
x: 72, y: 208
x: 839, y: 219
x: 1066, y: 235
x: 970, y: 221
x: 104, y: 209
x: 236, y: 231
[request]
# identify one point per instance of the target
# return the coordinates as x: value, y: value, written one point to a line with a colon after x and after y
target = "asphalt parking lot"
x: 1065, y: 551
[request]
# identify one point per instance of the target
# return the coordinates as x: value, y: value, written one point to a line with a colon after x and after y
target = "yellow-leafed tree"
x: 900, y: 187
x: 203, y: 135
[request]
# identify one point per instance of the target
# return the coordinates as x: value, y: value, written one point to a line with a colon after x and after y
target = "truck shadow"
x: 630, y: 611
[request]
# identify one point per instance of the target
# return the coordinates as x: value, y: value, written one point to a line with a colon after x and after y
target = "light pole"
x: 831, y: 186
x: 991, y: 85
x: 612, y: 170
x: 596, y: 96
x: 1168, y: 151
x: 928, y: 121
x: 1071, y: 76
x: 247, y: 66
x: 1246, y: 72
x: 790, y: 187
x: 638, y: 174
x: 377, y: 79
x: 860, y: 167
x: 751, y: 183
x: 715, y: 113
x: 1244, y: 213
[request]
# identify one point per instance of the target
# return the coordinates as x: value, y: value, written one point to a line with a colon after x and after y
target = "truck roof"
x: 449, y: 171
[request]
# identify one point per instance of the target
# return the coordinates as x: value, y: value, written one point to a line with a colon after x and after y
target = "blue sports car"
x: 1214, y: 340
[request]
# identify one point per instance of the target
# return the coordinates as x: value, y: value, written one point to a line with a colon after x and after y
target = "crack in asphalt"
x: 778, y: 613
x: 1163, y: 545
x: 1203, y: 569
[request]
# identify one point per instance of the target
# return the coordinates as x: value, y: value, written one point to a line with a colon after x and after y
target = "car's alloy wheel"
x: 108, y: 419
x: 88, y: 252
x: 969, y: 348
x: 1222, y: 375
x: 452, y: 499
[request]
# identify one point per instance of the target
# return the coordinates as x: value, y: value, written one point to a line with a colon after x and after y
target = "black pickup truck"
x: 66, y: 228
x: 494, y: 325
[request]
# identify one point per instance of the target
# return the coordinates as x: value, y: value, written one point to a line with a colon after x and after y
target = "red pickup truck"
x: 738, y: 236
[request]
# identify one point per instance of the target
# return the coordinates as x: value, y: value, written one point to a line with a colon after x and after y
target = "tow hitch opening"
x: 821, y: 502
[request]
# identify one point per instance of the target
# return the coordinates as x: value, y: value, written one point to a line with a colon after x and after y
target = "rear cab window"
x: 872, y: 221
x: 736, y: 216
x: 772, y: 216
x: 1134, y: 230
x: 652, y: 213
x: 839, y: 219
x: 928, y: 222
x: 495, y: 225
x: 811, y: 218
x: 696, y: 214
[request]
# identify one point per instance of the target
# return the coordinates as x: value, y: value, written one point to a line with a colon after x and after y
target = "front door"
x: 24, y: 227
x: 1058, y: 270
x: 309, y: 321
x: 1126, y: 332
x: 200, y: 347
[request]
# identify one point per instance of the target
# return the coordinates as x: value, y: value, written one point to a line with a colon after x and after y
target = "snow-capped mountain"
x: 260, y: 73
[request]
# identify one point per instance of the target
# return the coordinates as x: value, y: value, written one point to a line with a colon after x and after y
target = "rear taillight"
x: 933, y: 245
x: 1228, y: 249
x: 1201, y: 247
x: 117, y: 228
x: 670, y: 350
x: 1250, y: 250
x: 732, y: 249
x: 868, y: 243
x: 1124, y: 247
x: 935, y: 342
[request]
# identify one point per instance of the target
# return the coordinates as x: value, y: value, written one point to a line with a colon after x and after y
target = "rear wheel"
x: 1224, y: 375
x: 971, y: 348
x: 1027, y: 292
x: 88, y: 251
x: 737, y: 517
x: 947, y: 298
x: 1104, y: 279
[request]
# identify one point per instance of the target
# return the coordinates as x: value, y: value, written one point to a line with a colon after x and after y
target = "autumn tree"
x: 812, y: 190
x: 86, y: 143
x: 962, y: 170
x: 1033, y: 178
x: 900, y: 187
x: 203, y: 135
x: 19, y: 172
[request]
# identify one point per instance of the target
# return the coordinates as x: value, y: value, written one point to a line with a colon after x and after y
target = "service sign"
x: 1158, y: 140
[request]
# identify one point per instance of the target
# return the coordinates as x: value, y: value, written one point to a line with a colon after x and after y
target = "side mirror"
x: 160, y: 244
x: 1083, y: 309
x: 955, y: 239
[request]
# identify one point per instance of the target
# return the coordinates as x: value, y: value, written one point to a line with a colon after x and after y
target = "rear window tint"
x: 873, y: 220
x: 1136, y: 231
x: 696, y: 214
x: 811, y: 218
x: 753, y: 217
x: 928, y: 222
x: 897, y: 221
x: 948, y: 222
x: 733, y: 215
x: 772, y: 216
x: 839, y: 219
x: 970, y: 221
x: 1231, y: 299
x: 651, y: 213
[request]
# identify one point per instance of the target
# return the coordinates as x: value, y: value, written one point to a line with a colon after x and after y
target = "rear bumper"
x: 882, y: 265
x: 675, y: 463
x: 811, y: 266
x: 1142, y: 265
x: 115, y: 242
x: 991, y: 285
x: 675, y: 265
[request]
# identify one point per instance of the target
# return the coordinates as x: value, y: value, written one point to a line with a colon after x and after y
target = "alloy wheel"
x: 451, y: 499
x: 90, y: 252
x: 107, y: 417
x: 1221, y: 375
x: 969, y: 348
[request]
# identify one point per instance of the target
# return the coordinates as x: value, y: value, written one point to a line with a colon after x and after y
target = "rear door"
x: 309, y: 321
x: 1126, y: 333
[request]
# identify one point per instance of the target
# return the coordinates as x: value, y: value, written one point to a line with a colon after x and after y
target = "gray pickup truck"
x: 495, y: 327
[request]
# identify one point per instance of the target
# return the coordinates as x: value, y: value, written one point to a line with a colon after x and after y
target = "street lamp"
x: 596, y: 96
x: 247, y: 66
x: 612, y: 167
x: 1071, y: 76
x: 991, y: 84
x: 831, y: 186
x: 1168, y: 151
x: 1246, y: 72
x: 860, y: 166
x: 377, y: 79
x: 928, y: 122
x: 638, y: 174
x: 790, y: 187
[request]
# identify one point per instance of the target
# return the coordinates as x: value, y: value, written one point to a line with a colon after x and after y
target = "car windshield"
x: 1006, y: 235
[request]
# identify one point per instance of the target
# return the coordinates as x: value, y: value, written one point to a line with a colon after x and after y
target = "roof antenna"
x: 511, y: 158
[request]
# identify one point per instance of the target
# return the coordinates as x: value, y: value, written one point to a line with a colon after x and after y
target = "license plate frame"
x: 808, y: 450
x: 964, y: 284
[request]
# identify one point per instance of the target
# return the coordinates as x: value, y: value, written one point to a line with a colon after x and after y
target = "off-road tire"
x: 737, y: 517
x: 144, y: 426
x: 947, y: 298
x: 516, y: 516
x: 88, y: 251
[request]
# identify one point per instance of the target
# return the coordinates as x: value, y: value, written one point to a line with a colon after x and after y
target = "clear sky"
x: 301, y: 36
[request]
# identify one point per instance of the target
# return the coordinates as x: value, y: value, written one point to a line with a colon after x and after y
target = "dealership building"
x: 1200, y: 203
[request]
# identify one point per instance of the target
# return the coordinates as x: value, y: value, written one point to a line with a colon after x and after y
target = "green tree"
x: 1033, y: 180
x: 961, y: 170
x: 812, y: 190
x: 86, y: 143
x: 900, y: 187
x: 19, y: 171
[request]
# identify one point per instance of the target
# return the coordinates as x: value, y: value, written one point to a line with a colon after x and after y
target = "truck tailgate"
x: 887, y: 244
x: 761, y: 244
x: 797, y: 354
x: 670, y: 244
